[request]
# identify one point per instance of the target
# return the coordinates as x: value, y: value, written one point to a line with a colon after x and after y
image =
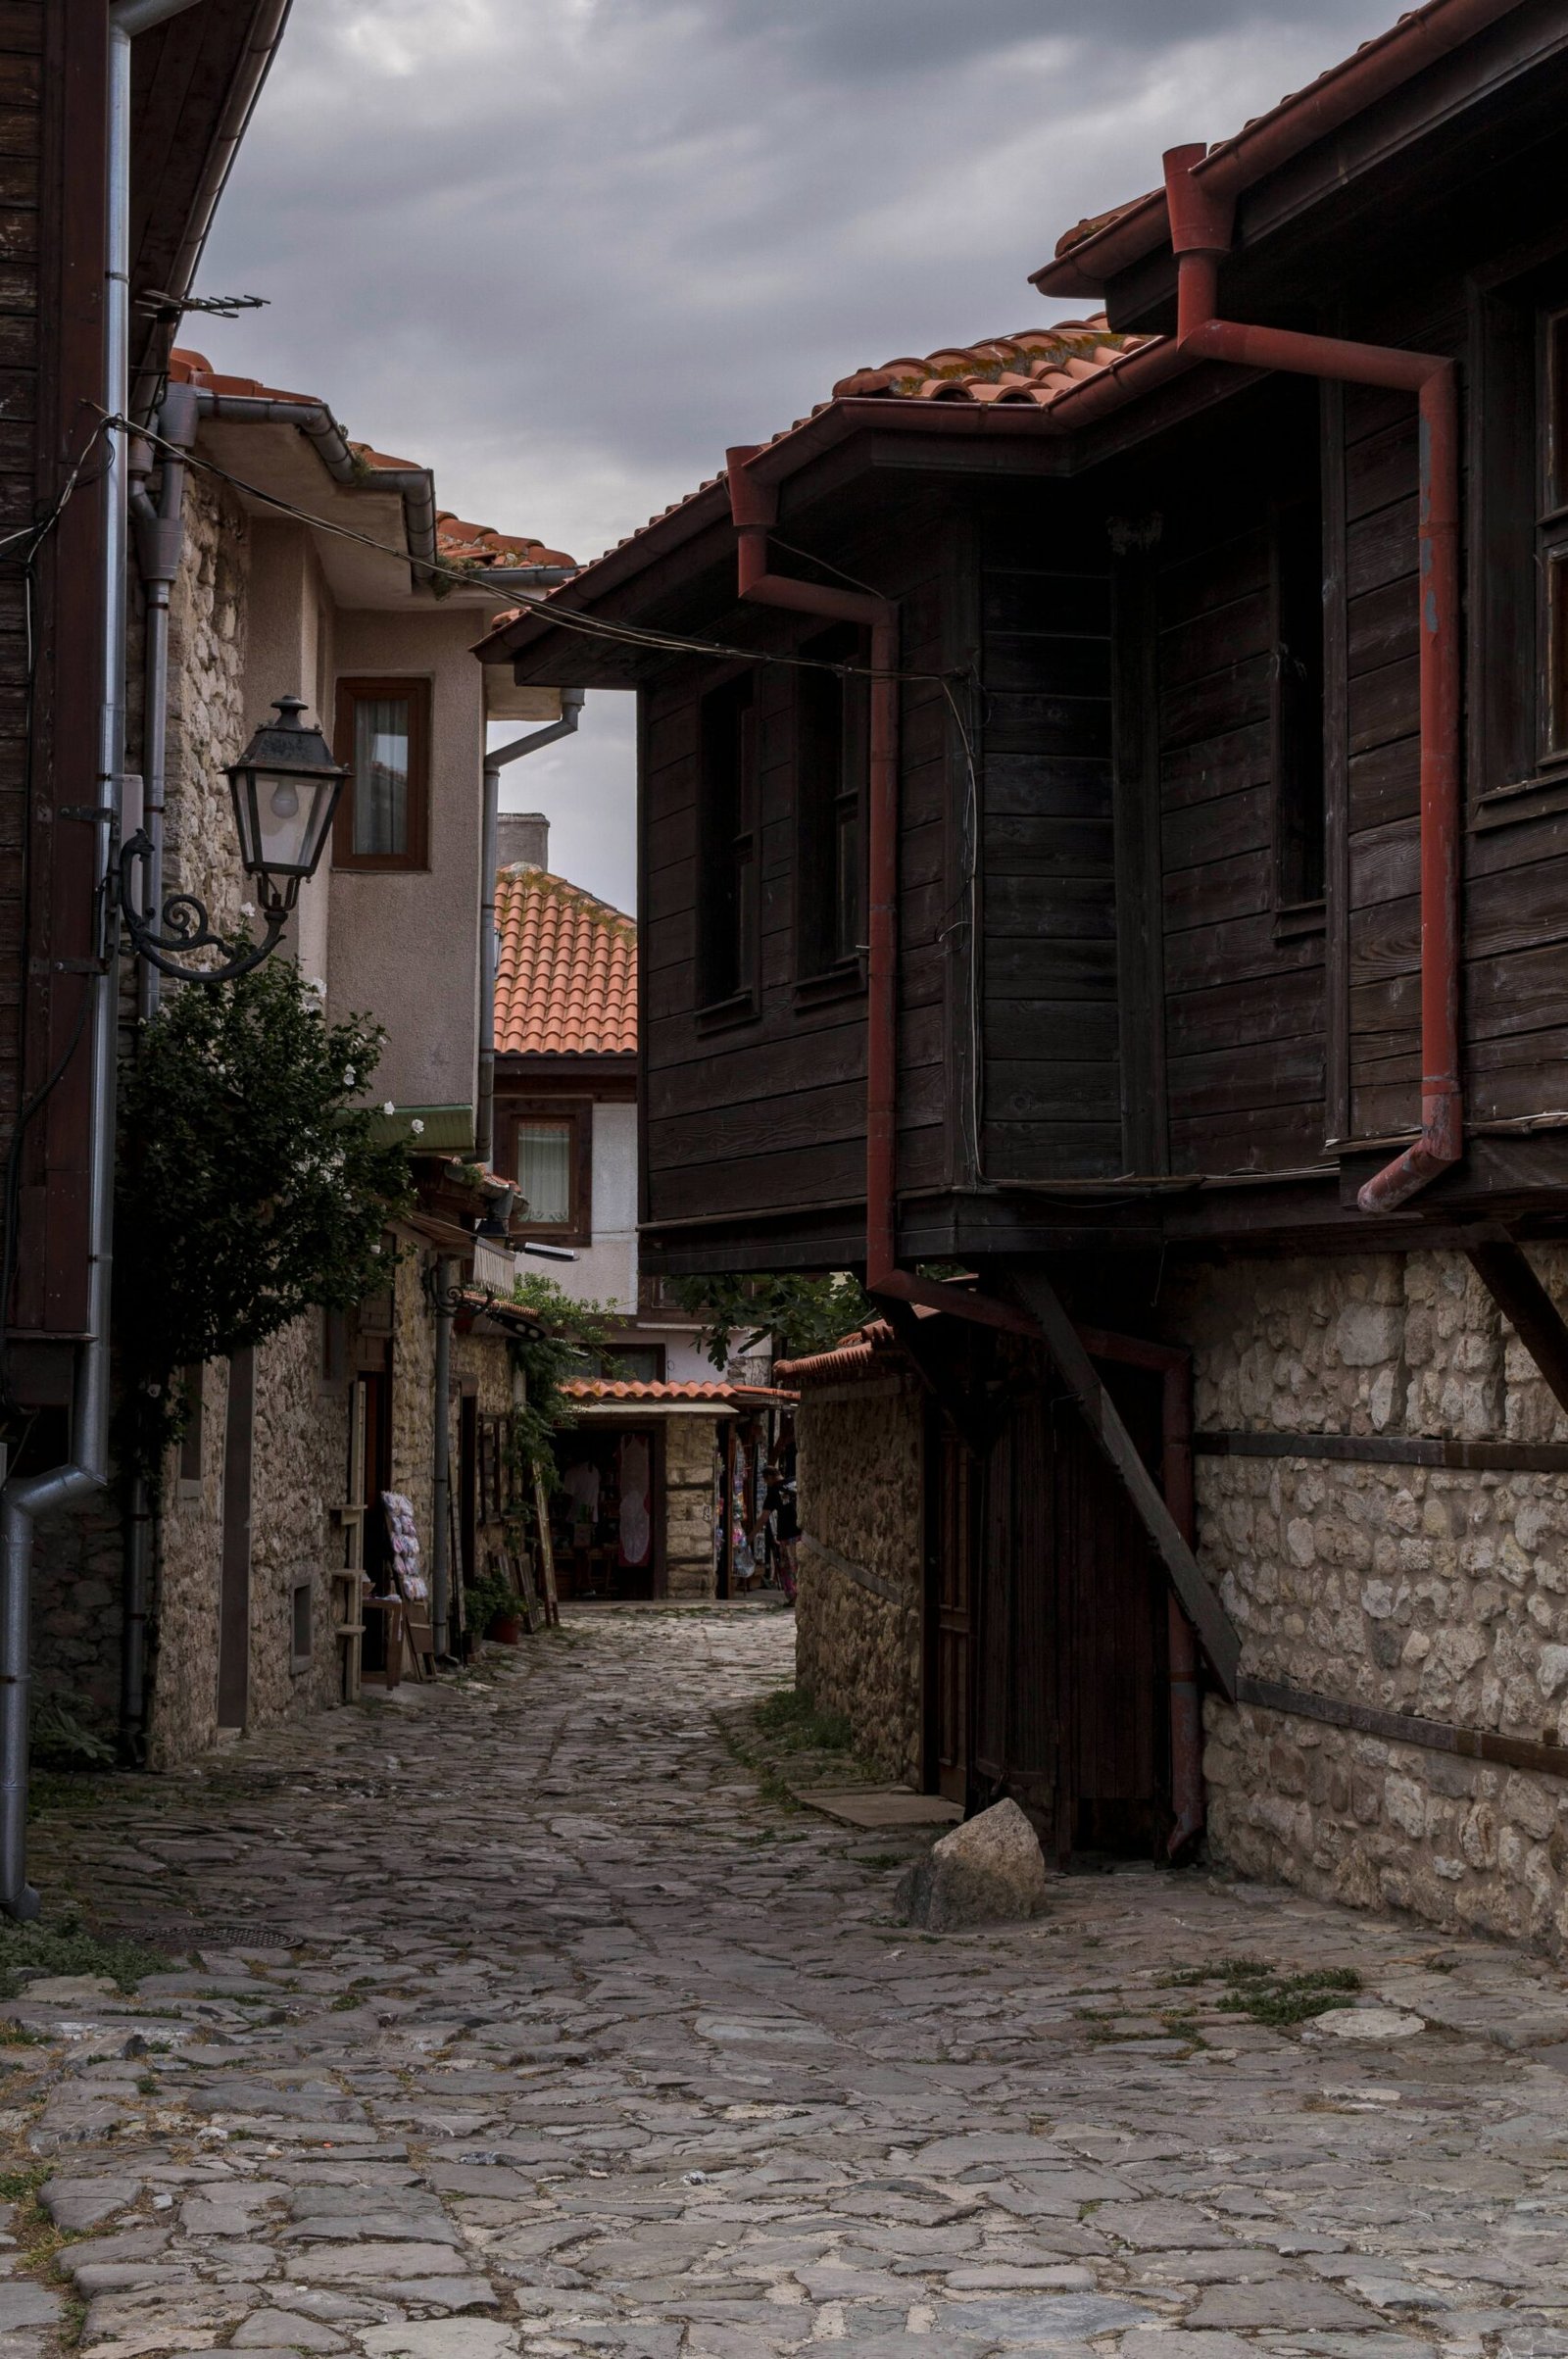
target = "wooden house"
x: 1103, y: 796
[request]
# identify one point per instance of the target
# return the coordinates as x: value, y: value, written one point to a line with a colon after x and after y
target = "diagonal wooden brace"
x: 1504, y: 1270
x: 1217, y: 1633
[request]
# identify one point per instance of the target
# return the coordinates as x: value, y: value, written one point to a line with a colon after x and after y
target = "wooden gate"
x: 1048, y: 1590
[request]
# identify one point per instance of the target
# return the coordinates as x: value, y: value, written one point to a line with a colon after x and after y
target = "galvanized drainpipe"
x: 441, y: 1484
x: 1200, y: 229
x: 28, y: 1499
x: 572, y: 703
x: 160, y: 537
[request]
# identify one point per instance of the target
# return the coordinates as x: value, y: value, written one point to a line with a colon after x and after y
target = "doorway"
x: 235, y: 1571
x: 1049, y: 1674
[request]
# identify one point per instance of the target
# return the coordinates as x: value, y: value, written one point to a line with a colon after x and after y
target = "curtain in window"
x: 381, y: 734
x: 544, y: 1170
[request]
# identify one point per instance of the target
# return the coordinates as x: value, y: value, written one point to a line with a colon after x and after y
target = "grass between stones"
x: 67, y: 1948
x: 1254, y: 1988
x: 788, y: 1744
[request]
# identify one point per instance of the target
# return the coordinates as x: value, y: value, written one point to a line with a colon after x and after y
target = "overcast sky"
x: 565, y: 251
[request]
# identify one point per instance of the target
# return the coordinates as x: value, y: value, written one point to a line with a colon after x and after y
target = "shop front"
x: 646, y: 1472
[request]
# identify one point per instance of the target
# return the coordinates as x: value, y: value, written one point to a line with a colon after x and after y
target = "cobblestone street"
x: 521, y: 2021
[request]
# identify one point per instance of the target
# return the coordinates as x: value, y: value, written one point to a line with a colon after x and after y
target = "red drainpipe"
x: 753, y: 507
x: 1174, y: 1368
x: 1201, y: 233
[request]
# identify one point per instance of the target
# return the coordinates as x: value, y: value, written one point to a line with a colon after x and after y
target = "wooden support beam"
x: 1504, y: 1270
x: 1217, y: 1633
x: 924, y: 1339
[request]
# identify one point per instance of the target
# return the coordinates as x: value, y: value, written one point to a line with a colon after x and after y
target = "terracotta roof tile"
x: 604, y: 1388
x: 566, y: 970
x: 1033, y: 366
x: 458, y: 543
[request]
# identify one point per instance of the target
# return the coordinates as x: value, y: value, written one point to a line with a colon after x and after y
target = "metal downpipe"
x: 441, y: 1484
x: 572, y: 703
x: 28, y: 1499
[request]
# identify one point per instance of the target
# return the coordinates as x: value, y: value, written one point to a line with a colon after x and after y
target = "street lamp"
x: 285, y: 787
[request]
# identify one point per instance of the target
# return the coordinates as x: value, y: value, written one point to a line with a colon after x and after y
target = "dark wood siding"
x: 1052, y: 1103
x: 768, y: 1114
x: 1244, y: 1008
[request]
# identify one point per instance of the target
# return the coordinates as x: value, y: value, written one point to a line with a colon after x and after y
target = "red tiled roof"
x: 606, y: 1387
x: 1035, y: 366
x: 1030, y: 369
x: 855, y: 1355
x: 566, y: 970
x: 458, y: 543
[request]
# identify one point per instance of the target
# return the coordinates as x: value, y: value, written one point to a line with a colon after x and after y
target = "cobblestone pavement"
x: 583, y: 2046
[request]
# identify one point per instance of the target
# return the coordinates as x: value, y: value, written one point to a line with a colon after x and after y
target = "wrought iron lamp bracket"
x: 184, y: 927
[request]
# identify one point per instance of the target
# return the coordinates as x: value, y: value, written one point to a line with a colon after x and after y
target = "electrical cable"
x: 568, y: 617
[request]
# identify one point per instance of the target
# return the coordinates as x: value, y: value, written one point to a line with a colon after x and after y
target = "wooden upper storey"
x: 1158, y: 943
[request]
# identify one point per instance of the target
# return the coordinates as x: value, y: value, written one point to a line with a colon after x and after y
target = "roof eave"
x: 834, y: 423
x: 1371, y: 72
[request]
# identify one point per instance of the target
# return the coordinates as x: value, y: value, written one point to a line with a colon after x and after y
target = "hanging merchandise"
x: 636, y: 1514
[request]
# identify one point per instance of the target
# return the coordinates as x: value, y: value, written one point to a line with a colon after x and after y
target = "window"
x: 728, y: 911
x: 548, y: 1145
x: 384, y: 734
x: 301, y: 1625
x: 1298, y: 704
x: 632, y: 1363
x: 1551, y: 532
x: 832, y: 760
x: 544, y: 1171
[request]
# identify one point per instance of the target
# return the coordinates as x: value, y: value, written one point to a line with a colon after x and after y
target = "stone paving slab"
x: 880, y: 1806
x: 513, y: 2021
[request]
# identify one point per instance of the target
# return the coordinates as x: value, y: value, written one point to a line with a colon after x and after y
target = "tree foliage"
x: 804, y: 1314
x: 250, y: 1185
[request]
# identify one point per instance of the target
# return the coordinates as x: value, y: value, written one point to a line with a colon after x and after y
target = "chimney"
x: 522, y: 839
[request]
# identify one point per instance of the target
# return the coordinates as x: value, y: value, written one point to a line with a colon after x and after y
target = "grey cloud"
x: 567, y: 250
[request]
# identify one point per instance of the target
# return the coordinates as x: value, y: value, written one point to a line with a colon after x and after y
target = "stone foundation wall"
x: 689, y: 1506
x: 859, y: 1615
x: 1423, y: 1591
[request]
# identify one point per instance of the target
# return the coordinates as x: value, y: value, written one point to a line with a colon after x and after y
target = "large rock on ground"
x: 988, y: 1871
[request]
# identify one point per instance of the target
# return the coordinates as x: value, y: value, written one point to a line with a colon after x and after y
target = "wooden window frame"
x: 1518, y: 465
x: 837, y: 724
x: 578, y: 1113
x: 353, y: 690
x: 729, y: 848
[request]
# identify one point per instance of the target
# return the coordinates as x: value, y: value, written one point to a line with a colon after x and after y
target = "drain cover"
x: 221, y: 1937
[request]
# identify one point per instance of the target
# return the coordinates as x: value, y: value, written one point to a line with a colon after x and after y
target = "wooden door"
x: 1069, y: 1682
x: 951, y: 1610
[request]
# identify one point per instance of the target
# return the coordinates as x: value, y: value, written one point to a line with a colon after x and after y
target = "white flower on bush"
x: 387, y: 1107
x: 349, y: 1077
x: 247, y: 909
x: 418, y: 1127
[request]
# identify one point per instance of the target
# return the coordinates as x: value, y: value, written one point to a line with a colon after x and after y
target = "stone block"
x: 990, y: 1870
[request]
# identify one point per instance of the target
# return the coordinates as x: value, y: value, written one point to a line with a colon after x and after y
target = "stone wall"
x: 858, y: 1616
x: 182, y: 1636
x: 689, y: 1506
x: 414, y: 1387
x: 1431, y: 1592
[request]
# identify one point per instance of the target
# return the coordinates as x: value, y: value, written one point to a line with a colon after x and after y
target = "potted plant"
x: 494, y: 1609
